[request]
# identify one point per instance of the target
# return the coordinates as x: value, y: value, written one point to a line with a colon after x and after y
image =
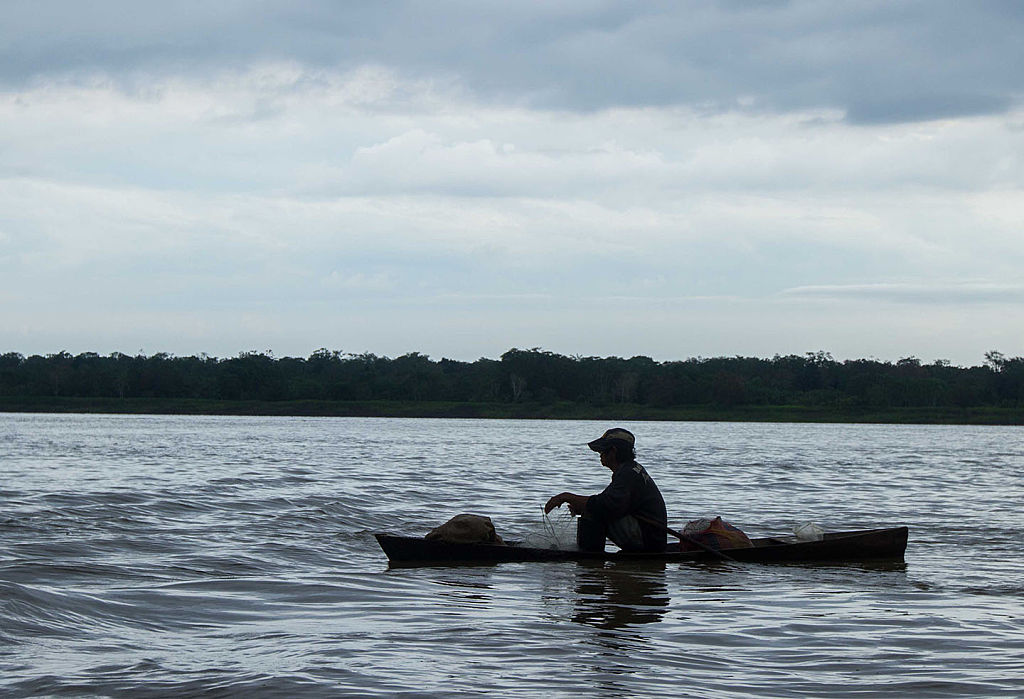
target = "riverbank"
x: 558, y: 410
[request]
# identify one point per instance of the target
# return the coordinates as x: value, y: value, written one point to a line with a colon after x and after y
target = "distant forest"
x: 530, y: 376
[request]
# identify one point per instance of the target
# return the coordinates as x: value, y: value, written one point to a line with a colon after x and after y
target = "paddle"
x: 685, y: 537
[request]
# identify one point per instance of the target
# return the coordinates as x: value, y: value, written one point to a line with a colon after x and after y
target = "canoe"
x: 836, y: 547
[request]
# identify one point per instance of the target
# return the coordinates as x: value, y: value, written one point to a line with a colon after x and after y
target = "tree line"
x: 523, y: 376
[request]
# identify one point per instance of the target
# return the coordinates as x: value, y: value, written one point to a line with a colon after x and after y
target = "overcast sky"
x: 669, y: 179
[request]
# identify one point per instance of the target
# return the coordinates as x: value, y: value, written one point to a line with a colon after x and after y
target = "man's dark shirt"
x: 632, y: 492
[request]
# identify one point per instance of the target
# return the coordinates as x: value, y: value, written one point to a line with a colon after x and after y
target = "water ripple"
x: 183, y: 556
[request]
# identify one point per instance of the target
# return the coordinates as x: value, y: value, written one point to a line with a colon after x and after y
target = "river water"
x: 223, y: 556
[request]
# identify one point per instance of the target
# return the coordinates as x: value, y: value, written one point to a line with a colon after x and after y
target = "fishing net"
x: 556, y: 530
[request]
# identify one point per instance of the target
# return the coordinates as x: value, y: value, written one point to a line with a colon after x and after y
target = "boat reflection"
x: 617, y: 595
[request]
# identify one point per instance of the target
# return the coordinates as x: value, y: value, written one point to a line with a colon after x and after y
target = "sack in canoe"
x: 716, y: 533
x: 466, y: 529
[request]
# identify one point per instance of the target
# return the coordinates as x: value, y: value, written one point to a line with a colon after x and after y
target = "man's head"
x: 615, y: 447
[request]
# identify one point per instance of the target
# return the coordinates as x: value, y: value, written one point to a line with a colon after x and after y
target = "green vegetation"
x: 521, y: 384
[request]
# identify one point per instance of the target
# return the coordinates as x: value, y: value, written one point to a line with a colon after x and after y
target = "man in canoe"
x: 630, y: 511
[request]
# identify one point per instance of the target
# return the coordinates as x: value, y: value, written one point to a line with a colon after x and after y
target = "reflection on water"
x: 462, y: 592
x: 616, y: 595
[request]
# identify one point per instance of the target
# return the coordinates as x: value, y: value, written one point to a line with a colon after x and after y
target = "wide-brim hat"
x: 611, y: 437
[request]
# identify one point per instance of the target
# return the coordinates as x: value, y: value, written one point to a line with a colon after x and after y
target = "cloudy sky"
x: 670, y: 179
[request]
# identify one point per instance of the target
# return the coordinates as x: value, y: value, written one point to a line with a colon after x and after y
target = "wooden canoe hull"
x: 838, y: 547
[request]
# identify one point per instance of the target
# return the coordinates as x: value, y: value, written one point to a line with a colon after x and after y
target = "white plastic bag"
x: 809, y: 532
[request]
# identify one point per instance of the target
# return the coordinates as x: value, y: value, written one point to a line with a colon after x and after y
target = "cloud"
x: 938, y: 294
x: 888, y: 109
x: 875, y: 61
x: 462, y: 178
x: 282, y: 127
x: 362, y: 167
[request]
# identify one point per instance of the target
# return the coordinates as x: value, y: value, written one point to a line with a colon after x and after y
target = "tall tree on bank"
x: 533, y: 376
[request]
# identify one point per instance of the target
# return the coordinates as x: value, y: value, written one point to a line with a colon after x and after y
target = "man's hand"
x: 554, y: 502
x: 577, y: 503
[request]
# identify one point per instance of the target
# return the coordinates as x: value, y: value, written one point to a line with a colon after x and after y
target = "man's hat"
x: 609, y: 438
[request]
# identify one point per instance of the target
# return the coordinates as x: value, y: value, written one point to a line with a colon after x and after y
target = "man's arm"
x: 577, y: 503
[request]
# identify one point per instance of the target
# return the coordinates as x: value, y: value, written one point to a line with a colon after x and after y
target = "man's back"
x: 632, y: 491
